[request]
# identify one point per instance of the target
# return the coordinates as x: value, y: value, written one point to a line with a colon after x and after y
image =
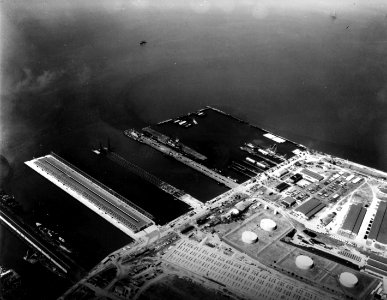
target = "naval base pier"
x: 60, y: 262
x: 113, y: 207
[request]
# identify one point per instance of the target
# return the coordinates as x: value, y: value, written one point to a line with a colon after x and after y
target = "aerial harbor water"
x: 76, y: 76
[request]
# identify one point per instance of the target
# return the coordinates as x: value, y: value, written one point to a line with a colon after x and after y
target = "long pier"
x: 102, y: 200
x: 137, y: 136
x: 166, y: 187
x: 67, y: 266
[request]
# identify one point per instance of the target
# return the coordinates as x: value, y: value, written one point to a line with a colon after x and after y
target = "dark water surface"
x: 74, y: 74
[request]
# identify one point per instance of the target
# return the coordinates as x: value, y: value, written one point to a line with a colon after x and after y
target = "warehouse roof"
x: 282, y: 186
x: 312, y: 174
x: 377, y: 264
x: 378, y: 230
x: 310, y: 208
x: 288, y: 201
x: 376, y: 270
x: 378, y: 258
x: 354, y: 218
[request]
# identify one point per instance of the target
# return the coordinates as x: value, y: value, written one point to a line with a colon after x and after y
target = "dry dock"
x: 108, y: 204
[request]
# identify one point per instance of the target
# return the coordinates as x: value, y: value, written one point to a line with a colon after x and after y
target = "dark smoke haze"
x: 288, y: 67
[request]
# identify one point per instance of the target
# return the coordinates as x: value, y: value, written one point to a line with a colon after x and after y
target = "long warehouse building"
x: 312, y: 175
x: 108, y: 204
x: 310, y: 208
x: 377, y: 265
x: 354, y: 218
x: 378, y: 230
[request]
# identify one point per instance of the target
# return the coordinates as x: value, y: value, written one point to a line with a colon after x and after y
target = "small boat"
x: 32, y: 258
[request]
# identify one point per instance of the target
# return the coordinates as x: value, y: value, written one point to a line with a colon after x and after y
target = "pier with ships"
x: 53, y: 258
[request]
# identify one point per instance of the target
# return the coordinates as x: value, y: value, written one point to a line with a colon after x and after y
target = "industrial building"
x: 378, y: 230
x: 354, y: 218
x: 310, y: 208
x: 288, y: 201
x: 243, y: 205
x: 296, y: 178
x: 281, y: 172
x: 377, y: 265
x: 281, y: 187
x: 312, y: 175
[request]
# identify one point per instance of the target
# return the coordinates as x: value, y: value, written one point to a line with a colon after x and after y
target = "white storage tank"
x: 234, y: 212
x: 348, y: 279
x: 268, y: 225
x: 249, y: 237
x: 304, y: 262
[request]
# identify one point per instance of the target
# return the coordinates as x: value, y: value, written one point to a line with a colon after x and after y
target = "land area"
x: 294, y: 224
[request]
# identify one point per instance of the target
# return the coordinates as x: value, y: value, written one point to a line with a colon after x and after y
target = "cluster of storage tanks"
x: 249, y: 237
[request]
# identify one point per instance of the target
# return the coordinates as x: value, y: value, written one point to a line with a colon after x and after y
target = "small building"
x: 281, y: 172
x: 203, y: 219
x: 310, y: 208
x: 328, y: 219
x: 303, y: 183
x: 312, y: 174
x: 243, y: 205
x: 296, y: 177
x: 288, y: 201
x: 281, y: 187
x: 250, y: 160
x: 335, y: 197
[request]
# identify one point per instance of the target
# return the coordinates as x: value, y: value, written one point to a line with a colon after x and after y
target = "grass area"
x: 363, y: 195
x: 174, y: 288
x: 314, y: 274
x: 365, y: 284
x: 326, y: 239
x: 383, y: 189
x: 274, y: 253
x: 325, y: 273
